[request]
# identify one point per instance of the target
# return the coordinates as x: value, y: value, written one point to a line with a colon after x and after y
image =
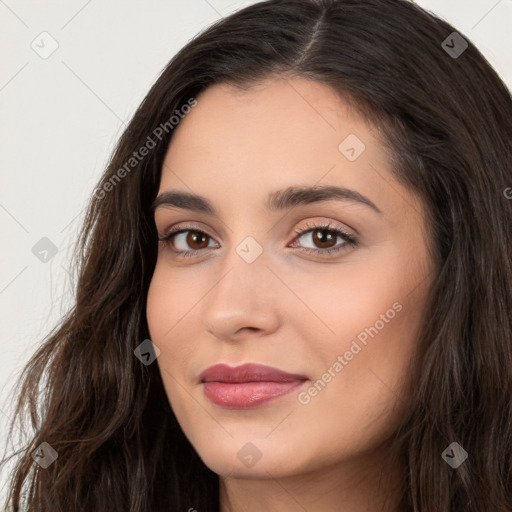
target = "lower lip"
x: 244, y: 395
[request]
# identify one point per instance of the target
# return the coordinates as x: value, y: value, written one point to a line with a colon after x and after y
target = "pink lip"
x: 248, y: 385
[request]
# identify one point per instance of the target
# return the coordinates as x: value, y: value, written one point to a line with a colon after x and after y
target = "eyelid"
x: 184, y: 227
x: 300, y: 231
x: 328, y: 225
x: 350, y: 239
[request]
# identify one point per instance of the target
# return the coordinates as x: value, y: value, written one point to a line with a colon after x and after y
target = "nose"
x: 244, y: 301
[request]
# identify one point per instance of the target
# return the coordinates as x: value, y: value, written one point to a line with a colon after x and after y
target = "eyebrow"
x: 290, y: 197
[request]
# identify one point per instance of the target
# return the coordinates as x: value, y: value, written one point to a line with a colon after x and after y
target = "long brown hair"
x: 447, y: 119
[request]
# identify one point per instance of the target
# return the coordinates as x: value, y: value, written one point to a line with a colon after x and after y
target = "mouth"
x: 248, y: 385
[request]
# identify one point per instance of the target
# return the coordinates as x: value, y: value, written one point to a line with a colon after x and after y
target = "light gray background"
x: 60, y: 118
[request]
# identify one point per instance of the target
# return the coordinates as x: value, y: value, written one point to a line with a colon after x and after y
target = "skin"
x: 288, y: 309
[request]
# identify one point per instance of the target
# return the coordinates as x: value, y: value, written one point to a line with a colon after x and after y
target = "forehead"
x: 276, y: 115
x: 242, y: 143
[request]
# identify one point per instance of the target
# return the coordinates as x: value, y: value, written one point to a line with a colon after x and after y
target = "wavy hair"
x: 447, y: 122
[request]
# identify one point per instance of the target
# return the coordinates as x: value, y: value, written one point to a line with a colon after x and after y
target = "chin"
x: 245, y: 461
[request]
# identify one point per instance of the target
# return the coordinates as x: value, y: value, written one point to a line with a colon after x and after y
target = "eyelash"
x: 350, y: 240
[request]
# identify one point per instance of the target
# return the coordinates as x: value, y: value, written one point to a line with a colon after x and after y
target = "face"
x: 327, y: 285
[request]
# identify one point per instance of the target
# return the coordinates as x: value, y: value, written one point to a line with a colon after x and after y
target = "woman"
x: 295, y: 286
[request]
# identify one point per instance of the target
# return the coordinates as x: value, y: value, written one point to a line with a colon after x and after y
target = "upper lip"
x: 248, y: 372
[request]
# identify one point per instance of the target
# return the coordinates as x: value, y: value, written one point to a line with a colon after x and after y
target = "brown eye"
x: 196, y: 239
x: 324, y: 238
x: 187, y: 241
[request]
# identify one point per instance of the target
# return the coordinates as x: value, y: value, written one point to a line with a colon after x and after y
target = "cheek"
x: 171, y: 296
x: 159, y: 308
x: 335, y: 307
x: 369, y: 394
x: 379, y: 290
x: 369, y: 317
x: 168, y: 302
x: 171, y: 330
x: 173, y: 304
